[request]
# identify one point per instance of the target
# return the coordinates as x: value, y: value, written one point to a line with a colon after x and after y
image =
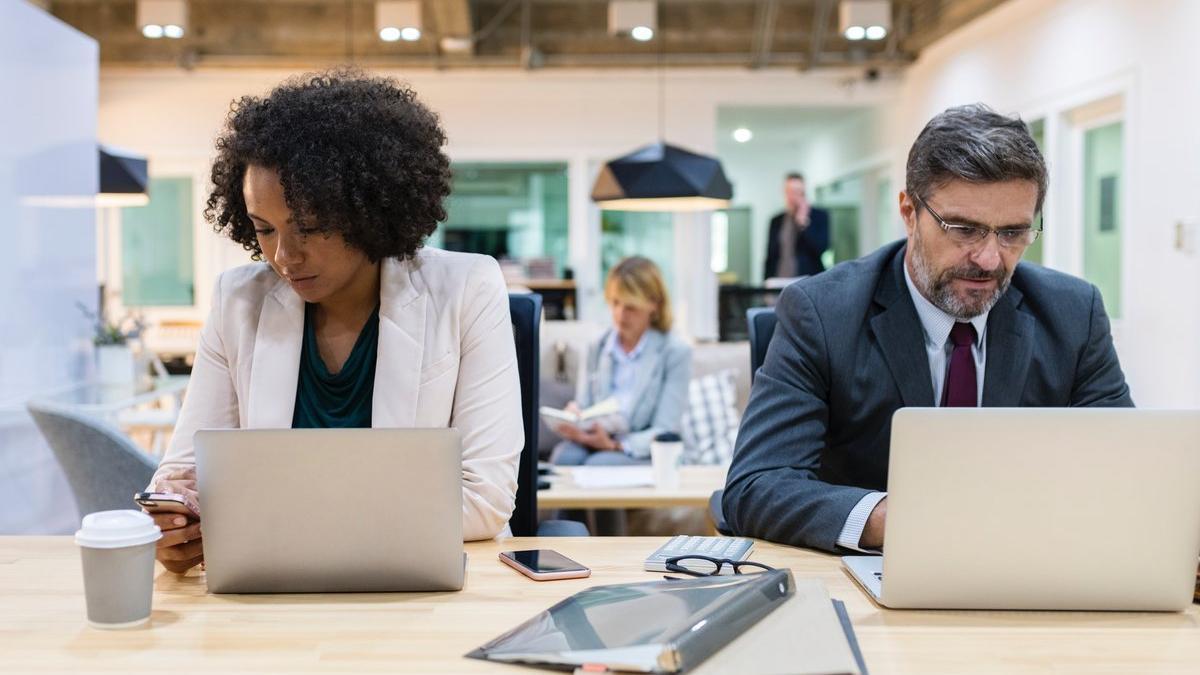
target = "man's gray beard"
x: 939, y: 292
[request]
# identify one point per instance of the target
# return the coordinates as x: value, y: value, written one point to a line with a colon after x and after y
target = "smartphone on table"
x: 165, y: 502
x: 544, y: 565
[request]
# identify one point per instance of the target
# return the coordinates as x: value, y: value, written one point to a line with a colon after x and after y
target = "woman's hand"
x: 596, y: 438
x: 181, y: 547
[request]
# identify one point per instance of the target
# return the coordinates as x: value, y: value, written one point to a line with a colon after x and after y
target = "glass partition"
x: 1102, y: 160
x: 509, y: 210
x: 157, y: 247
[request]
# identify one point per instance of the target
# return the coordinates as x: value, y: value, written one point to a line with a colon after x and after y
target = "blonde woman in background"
x: 638, y: 363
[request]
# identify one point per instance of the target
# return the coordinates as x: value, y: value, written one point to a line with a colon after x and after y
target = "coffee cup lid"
x: 117, y: 529
x: 668, y: 437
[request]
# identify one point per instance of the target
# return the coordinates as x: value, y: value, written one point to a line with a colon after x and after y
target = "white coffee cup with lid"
x: 117, y: 549
x: 666, y: 454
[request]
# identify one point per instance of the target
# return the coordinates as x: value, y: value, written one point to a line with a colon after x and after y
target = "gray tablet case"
x: 658, y: 627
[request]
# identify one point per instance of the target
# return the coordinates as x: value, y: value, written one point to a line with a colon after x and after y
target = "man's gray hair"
x: 976, y: 144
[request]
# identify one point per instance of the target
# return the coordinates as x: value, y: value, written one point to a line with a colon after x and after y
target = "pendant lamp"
x: 662, y: 177
x: 124, y: 177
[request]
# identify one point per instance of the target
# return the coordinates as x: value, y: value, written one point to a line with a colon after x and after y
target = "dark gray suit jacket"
x: 849, y: 351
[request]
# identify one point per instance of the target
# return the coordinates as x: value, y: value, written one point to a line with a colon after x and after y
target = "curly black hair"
x: 357, y: 154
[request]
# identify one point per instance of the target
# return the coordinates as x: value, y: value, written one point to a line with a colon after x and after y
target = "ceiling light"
x: 742, y: 134
x: 635, y: 18
x: 457, y: 45
x: 869, y: 19
x: 662, y: 177
x: 124, y: 178
x: 159, y: 18
x: 398, y: 20
x: 642, y: 33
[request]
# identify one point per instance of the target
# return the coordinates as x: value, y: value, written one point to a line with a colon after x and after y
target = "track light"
x: 864, y: 19
x: 162, y: 18
x: 636, y: 18
x: 398, y: 20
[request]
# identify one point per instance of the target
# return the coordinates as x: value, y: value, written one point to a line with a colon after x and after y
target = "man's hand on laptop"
x: 872, y: 536
x: 181, y: 547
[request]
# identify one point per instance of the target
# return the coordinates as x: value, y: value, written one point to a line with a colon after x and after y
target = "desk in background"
x: 696, y: 485
x: 124, y: 405
x: 558, y: 296
x: 42, y: 626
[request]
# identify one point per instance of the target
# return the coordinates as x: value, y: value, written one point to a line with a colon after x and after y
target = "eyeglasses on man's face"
x: 704, y: 566
x: 969, y: 235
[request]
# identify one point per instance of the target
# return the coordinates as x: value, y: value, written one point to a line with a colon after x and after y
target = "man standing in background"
x: 798, y: 236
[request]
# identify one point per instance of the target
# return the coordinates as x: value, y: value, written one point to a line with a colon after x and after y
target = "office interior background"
x: 535, y: 96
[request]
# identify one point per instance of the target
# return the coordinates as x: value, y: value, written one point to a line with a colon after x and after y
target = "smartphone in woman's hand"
x: 165, y: 502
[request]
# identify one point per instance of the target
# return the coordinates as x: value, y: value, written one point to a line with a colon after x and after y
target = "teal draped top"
x: 325, y: 400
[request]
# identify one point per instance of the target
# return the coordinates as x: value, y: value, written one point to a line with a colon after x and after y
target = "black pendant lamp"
x: 662, y: 177
x: 124, y: 177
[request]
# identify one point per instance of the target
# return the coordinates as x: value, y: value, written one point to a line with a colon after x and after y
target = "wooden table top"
x: 42, y: 625
x: 696, y: 485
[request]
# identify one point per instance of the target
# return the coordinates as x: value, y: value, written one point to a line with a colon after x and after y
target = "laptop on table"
x: 1039, y: 508
x: 331, y: 510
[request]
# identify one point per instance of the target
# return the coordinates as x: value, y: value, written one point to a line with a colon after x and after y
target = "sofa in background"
x: 564, y: 345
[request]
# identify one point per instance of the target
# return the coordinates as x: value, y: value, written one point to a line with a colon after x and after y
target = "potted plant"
x: 114, y: 355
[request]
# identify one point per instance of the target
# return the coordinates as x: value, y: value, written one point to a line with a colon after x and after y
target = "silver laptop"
x: 331, y: 510
x: 1039, y: 508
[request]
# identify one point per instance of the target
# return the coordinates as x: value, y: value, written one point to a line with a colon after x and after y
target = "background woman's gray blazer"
x: 660, y: 393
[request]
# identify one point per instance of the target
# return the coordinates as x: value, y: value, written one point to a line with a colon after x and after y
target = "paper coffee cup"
x: 666, y: 453
x: 117, y: 548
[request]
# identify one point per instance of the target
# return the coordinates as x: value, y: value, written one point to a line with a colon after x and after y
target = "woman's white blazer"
x: 445, y: 359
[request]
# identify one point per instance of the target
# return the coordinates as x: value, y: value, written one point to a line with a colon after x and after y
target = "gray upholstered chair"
x: 103, y: 467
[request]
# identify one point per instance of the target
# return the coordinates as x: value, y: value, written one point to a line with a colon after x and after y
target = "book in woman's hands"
x: 606, y: 413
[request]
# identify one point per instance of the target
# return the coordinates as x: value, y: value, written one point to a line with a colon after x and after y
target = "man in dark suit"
x: 947, y: 318
x: 798, y: 236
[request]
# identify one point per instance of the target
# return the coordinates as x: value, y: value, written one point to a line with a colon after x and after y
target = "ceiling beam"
x: 950, y: 16
x: 452, y: 19
x: 820, y: 25
x: 767, y: 14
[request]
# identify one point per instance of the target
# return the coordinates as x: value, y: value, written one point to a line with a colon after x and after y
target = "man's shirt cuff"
x: 856, y: 522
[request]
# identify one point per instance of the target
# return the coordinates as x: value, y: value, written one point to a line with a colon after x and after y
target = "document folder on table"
x: 659, y: 626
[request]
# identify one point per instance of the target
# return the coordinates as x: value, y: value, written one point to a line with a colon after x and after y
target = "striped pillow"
x: 710, y: 422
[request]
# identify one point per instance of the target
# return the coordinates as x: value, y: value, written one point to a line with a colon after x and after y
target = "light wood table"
x: 696, y: 485
x: 42, y: 625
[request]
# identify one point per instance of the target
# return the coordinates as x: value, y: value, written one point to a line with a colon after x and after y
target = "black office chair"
x: 761, y: 324
x: 526, y: 311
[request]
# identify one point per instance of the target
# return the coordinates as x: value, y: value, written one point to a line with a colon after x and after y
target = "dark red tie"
x: 960, y: 390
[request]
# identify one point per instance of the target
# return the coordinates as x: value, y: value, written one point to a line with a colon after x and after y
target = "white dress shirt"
x: 624, y: 374
x: 936, y: 325
x: 624, y: 371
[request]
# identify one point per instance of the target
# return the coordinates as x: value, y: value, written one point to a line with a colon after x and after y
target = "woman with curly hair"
x: 333, y: 181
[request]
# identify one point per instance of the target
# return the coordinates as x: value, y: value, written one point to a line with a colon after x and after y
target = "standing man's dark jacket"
x: 808, y: 246
x: 849, y: 350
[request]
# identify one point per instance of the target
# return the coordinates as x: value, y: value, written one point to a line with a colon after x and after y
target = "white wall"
x: 1047, y: 56
x: 48, y: 169
x: 1044, y: 58
x: 581, y: 117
